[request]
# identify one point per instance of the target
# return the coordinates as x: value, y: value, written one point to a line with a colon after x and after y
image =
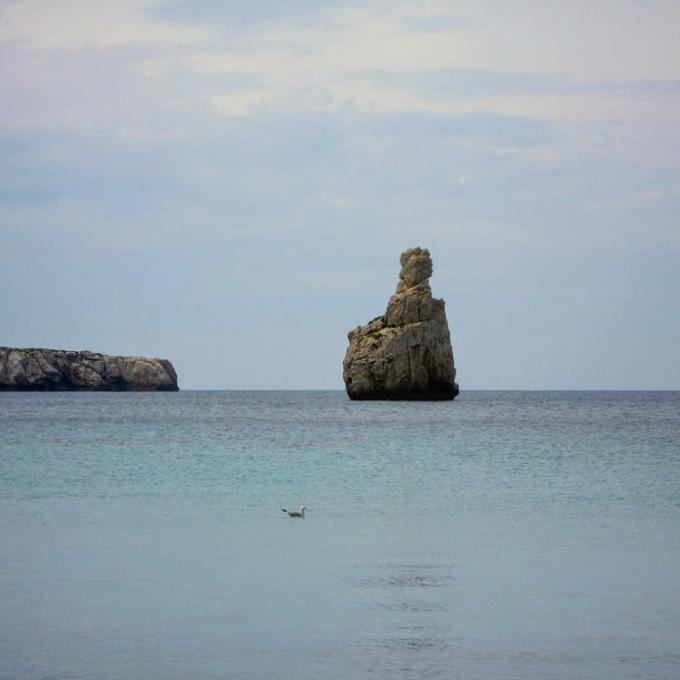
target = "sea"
x: 523, y: 535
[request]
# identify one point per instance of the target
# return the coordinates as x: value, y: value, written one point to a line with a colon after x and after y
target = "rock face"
x: 406, y: 353
x: 59, y: 370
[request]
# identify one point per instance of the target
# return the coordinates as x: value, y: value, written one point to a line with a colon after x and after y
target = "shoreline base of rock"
x: 430, y: 395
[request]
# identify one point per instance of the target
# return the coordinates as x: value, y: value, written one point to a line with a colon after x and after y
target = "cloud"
x: 233, y: 13
x: 584, y: 41
x: 73, y: 24
x: 145, y: 70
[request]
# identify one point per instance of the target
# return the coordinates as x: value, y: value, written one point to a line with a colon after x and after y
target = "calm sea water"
x: 503, y: 535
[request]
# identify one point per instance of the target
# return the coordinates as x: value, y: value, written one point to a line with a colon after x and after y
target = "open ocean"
x: 503, y: 535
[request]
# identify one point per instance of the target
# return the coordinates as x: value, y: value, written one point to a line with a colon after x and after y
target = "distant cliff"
x: 406, y: 353
x: 60, y: 370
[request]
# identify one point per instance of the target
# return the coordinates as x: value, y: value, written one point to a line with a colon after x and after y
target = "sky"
x: 228, y: 183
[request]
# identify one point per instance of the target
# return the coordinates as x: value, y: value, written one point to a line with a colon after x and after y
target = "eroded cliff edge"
x: 406, y: 353
x: 61, y: 370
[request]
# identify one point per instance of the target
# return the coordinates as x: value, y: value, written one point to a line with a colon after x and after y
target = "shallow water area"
x: 502, y: 535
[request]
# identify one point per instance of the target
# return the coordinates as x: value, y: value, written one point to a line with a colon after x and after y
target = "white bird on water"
x: 295, y: 513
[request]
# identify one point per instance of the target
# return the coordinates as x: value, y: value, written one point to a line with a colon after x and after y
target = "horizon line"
x: 472, y: 389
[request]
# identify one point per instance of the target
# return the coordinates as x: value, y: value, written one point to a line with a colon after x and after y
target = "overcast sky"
x: 229, y: 184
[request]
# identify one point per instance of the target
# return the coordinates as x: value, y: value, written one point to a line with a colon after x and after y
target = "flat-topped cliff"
x: 406, y: 353
x: 61, y: 370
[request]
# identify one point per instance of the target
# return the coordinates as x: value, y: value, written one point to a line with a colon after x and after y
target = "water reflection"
x: 407, y: 576
x: 427, y: 642
x: 414, y: 606
x: 410, y: 605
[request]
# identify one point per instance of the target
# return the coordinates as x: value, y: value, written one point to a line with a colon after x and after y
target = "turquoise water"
x: 503, y: 535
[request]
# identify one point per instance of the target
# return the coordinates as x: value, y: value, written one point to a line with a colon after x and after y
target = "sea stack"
x: 406, y: 353
x: 60, y: 370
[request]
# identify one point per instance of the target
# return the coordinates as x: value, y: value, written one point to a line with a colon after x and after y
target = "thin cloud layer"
x: 74, y: 24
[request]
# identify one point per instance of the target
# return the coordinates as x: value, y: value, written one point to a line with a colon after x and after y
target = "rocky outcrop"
x: 406, y: 353
x: 59, y: 370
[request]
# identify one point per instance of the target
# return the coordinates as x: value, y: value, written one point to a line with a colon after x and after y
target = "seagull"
x: 295, y: 513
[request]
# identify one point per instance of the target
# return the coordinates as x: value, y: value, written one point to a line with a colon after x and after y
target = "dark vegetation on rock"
x: 406, y: 353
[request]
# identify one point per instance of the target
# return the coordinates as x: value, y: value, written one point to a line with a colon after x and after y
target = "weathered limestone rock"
x: 406, y: 353
x: 59, y: 370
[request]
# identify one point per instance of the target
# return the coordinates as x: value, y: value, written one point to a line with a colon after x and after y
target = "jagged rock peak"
x: 61, y: 370
x: 413, y: 300
x: 416, y: 267
x: 406, y: 353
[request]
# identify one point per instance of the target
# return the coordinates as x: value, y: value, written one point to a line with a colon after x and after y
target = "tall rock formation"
x: 59, y: 370
x: 406, y: 353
